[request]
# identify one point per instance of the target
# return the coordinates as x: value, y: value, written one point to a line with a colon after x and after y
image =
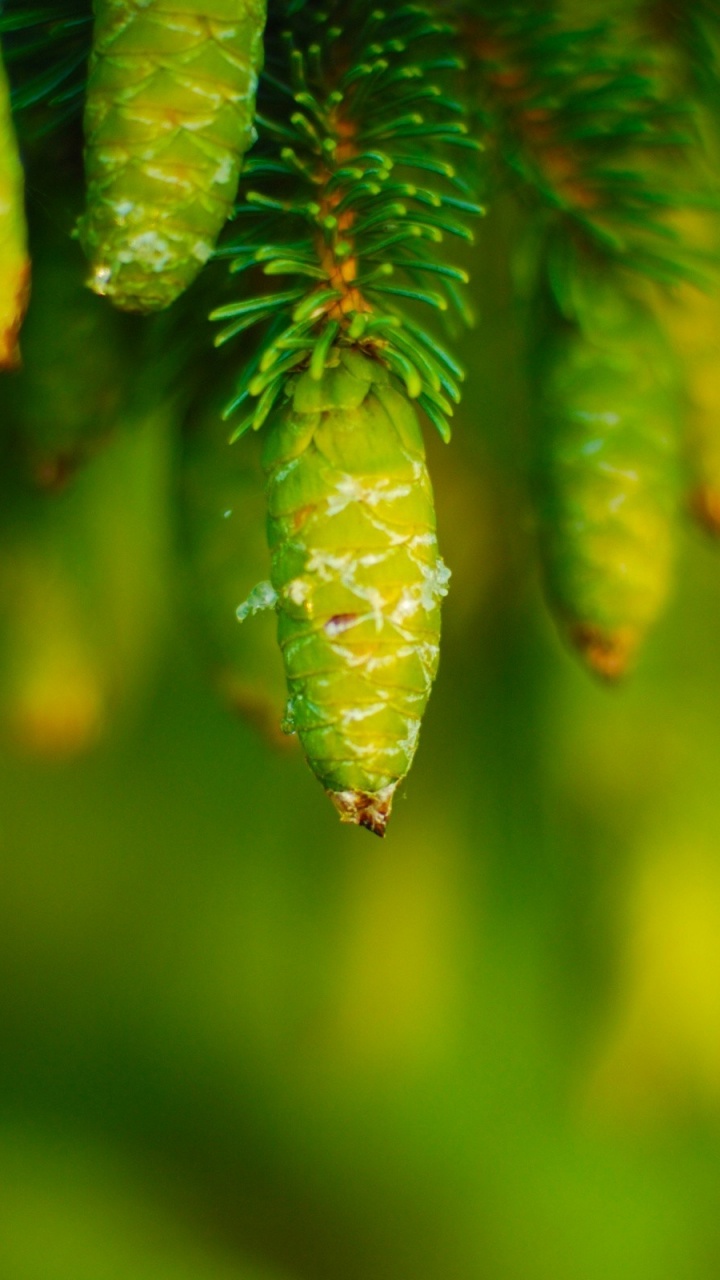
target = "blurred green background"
x: 242, y: 1042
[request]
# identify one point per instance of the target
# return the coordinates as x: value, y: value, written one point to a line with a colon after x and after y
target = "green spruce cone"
x: 170, y: 105
x: 14, y: 260
x: 358, y: 577
x: 608, y: 476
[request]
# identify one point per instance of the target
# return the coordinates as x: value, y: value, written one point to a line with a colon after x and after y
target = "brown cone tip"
x: 705, y: 509
x: 369, y: 809
x: 608, y: 654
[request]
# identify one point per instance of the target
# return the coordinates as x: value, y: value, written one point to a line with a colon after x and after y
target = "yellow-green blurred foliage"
x: 240, y: 1040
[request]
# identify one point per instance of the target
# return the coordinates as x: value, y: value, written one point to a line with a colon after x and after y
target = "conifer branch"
x: 587, y: 124
x: 354, y: 195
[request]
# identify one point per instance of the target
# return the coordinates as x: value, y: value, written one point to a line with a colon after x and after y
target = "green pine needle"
x: 590, y: 122
x: 353, y: 195
x: 46, y: 48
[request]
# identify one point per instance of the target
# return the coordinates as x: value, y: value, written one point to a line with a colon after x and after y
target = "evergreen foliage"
x: 351, y: 195
x: 346, y: 260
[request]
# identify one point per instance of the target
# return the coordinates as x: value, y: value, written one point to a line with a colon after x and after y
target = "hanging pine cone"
x: 358, y: 577
x: 168, y: 118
